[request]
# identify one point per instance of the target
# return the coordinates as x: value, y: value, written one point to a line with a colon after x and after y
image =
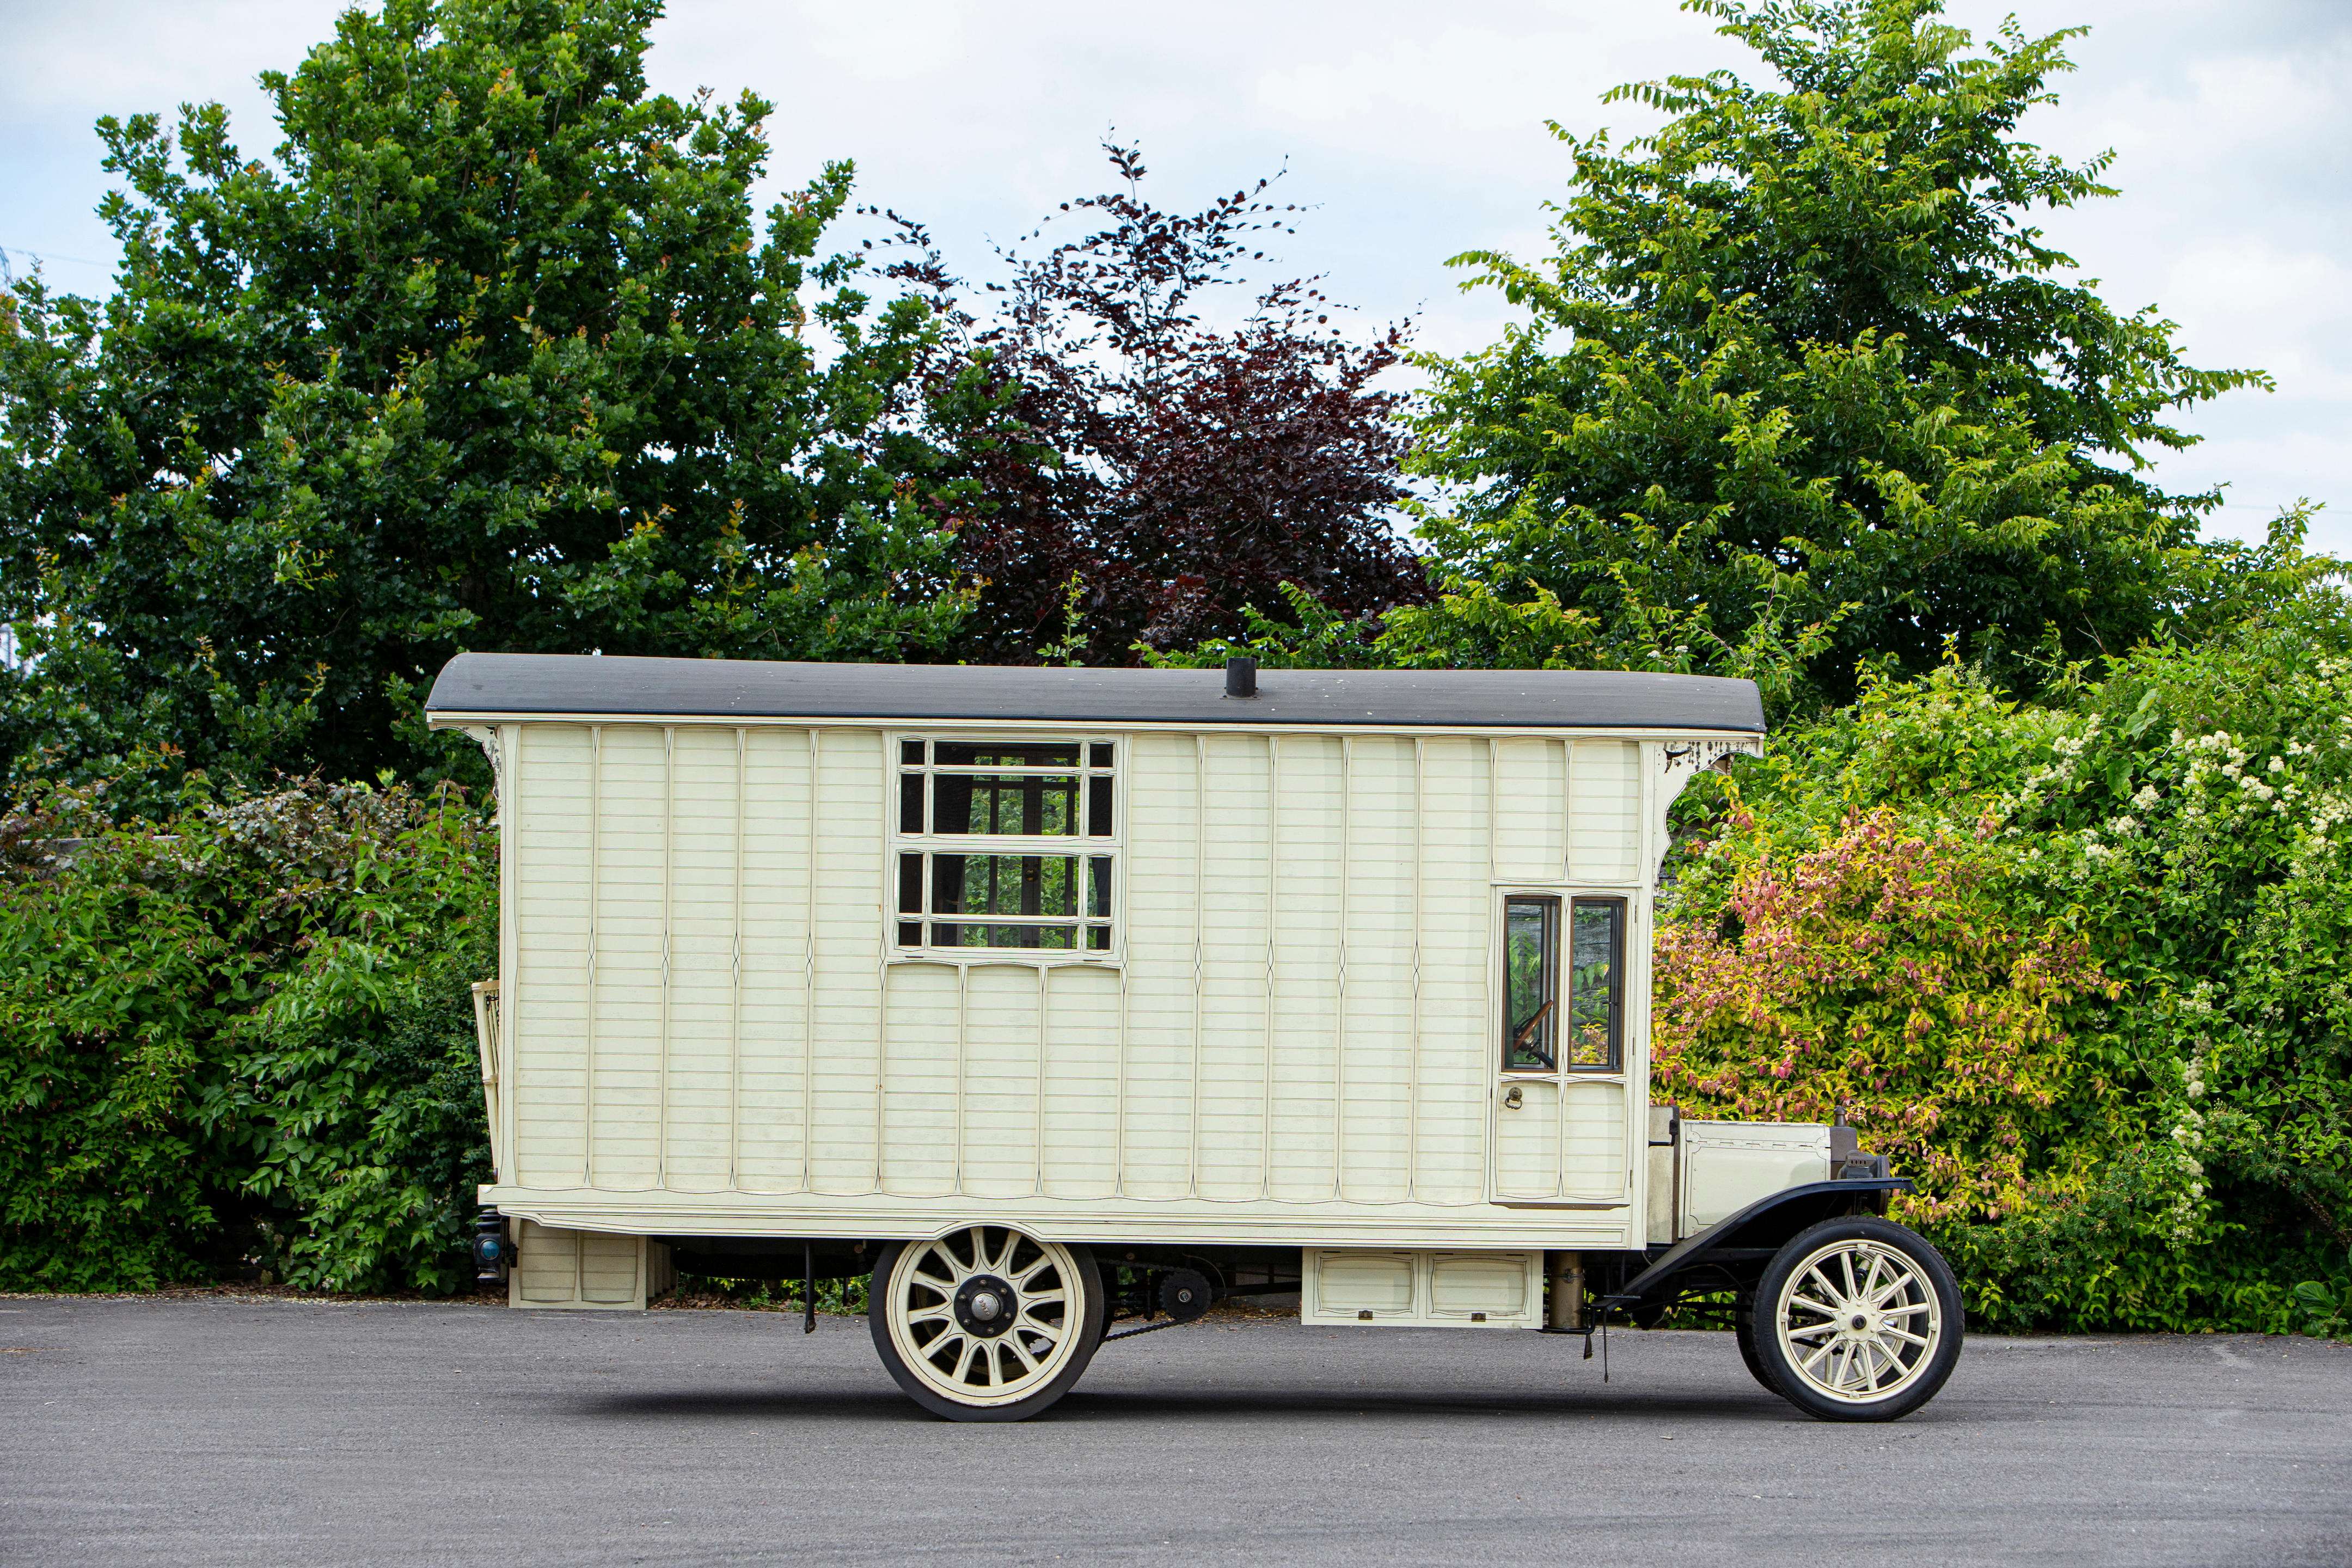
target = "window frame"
x: 1558, y: 963
x: 1618, y: 962
x: 1082, y: 848
x: 1548, y: 974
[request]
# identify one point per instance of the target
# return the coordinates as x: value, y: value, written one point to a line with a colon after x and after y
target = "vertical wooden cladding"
x: 702, y: 1000
x: 1568, y: 809
x: 1332, y: 1046
x: 1604, y: 812
x: 662, y: 1040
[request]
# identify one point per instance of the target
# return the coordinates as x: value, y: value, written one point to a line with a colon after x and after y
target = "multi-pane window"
x: 1006, y: 844
x: 1539, y: 1023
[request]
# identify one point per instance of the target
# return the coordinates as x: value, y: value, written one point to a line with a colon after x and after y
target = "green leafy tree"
x: 1802, y: 358
x: 492, y: 354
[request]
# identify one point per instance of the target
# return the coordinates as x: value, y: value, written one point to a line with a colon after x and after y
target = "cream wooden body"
x: 702, y: 1027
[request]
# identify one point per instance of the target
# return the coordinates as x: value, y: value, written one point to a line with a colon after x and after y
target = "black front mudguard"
x: 1738, y: 1247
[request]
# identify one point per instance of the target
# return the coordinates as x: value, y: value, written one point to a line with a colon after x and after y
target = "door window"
x: 1538, y: 1018
x: 1596, y: 985
x: 1532, y: 983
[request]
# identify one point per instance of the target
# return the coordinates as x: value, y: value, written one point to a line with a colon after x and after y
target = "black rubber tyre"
x: 1857, y: 1319
x: 1745, y: 1333
x: 975, y: 1372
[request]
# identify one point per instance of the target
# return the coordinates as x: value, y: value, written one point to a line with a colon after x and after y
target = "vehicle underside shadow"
x: 887, y: 1406
x: 1532, y: 1404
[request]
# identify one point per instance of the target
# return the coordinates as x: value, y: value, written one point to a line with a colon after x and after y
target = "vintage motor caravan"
x: 1055, y: 997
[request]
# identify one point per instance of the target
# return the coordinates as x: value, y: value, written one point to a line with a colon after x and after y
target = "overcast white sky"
x: 1416, y: 130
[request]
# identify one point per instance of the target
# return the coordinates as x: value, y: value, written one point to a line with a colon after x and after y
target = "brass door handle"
x: 1511, y: 1097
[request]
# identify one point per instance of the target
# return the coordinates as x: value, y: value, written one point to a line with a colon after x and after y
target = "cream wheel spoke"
x: 941, y: 1264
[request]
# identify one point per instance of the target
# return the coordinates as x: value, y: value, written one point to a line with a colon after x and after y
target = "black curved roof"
x: 520, y: 684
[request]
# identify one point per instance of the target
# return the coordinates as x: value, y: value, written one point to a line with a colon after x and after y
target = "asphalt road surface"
x: 212, y: 1430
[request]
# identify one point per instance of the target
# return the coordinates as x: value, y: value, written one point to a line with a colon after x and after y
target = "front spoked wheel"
x: 1857, y: 1319
x: 985, y: 1323
x: 1744, y: 1328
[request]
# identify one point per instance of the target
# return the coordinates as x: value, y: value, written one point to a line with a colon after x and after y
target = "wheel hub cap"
x: 985, y: 1306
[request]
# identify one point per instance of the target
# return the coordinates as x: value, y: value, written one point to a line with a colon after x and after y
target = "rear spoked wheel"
x: 1857, y: 1319
x: 985, y: 1323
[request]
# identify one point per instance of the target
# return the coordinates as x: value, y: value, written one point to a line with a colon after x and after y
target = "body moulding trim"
x: 1186, y: 1221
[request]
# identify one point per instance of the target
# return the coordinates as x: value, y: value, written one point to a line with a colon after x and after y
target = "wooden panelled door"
x: 1559, y: 1094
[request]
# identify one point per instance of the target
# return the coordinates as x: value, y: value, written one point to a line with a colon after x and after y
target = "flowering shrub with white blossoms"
x: 2143, y: 888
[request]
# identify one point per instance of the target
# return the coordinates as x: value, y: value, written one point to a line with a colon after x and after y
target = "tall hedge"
x: 2081, y: 968
x: 242, y: 1036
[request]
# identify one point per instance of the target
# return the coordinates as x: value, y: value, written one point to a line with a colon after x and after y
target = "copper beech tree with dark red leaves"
x: 1168, y: 471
